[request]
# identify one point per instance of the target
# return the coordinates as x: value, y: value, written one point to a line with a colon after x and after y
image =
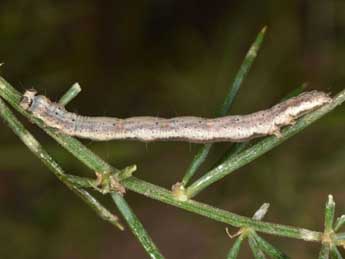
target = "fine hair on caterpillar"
x: 234, y: 128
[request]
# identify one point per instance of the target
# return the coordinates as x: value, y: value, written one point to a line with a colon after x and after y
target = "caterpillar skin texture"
x: 237, y: 128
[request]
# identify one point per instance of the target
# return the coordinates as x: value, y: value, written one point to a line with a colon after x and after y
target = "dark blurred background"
x: 169, y: 58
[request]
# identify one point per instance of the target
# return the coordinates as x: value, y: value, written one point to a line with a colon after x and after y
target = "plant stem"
x: 197, y: 161
x: 329, y: 214
x: 158, y: 193
x: 324, y: 252
x: 257, y: 252
x: 38, y: 150
x: 239, y: 147
x: 242, y: 72
x: 268, y: 248
x: 75, y: 182
x: 136, y: 227
x: 260, y: 148
x: 235, y: 249
x: 86, y: 156
x: 203, y: 152
x: 335, y: 254
x: 339, y: 223
x: 163, y: 195
x: 72, y: 92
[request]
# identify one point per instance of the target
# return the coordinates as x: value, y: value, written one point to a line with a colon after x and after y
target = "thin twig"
x: 137, y: 228
x: 38, y: 150
x: 260, y: 148
x: 72, y: 92
x: 203, y: 152
x: 155, y: 192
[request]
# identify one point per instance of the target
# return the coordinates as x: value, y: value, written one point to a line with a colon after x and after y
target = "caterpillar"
x: 234, y: 128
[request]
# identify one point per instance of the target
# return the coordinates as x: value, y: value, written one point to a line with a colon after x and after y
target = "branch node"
x: 107, y: 182
x: 179, y: 192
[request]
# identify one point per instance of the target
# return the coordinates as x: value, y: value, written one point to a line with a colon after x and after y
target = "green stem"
x: 239, y: 147
x: 85, y: 155
x: 75, y: 182
x: 335, y: 254
x: 339, y: 223
x: 235, y: 249
x: 243, y: 72
x: 197, y: 161
x: 136, y: 227
x: 158, y: 193
x: 203, y: 152
x: 38, y: 150
x: 257, y: 252
x: 234, y: 149
x: 163, y: 195
x: 72, y: 92
x: 329, y: 214
x: 260, y: 148
x: 269, y: 249
x: 324, y: 252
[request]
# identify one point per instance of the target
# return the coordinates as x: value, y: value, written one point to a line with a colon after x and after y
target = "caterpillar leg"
x: 276, y: 131
x: 291, y: 120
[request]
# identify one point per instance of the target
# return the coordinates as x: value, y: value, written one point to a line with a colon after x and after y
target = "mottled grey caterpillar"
x: 237, y: 128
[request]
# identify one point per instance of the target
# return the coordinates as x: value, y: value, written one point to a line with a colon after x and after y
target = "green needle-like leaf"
x: 335, y: 254
x: 260, y: 148
x: 242, y: 72
x: 238, y: 147
x: 39, y: 151
x: 202, y: 154
x: 136, y: 227
x: 339, y: 223
x: 134, y: 184
x: 268, y: 248
x: 257, y: 253
x: 235, y: 249
x: 70, y: 94
x: 324, y: 252
x: 329, y: 214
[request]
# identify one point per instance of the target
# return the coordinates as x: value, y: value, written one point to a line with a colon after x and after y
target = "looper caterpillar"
x: 236, y: 128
